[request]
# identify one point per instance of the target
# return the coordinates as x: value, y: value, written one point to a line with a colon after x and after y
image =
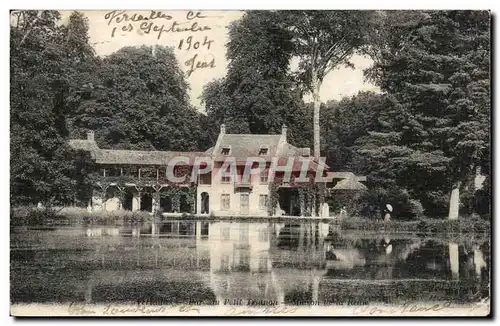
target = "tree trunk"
x: 317, y: 104
x: 313, y: 206
x: 454, y: 202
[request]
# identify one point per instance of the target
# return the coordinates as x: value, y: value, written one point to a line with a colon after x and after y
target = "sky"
x: 204, y: 47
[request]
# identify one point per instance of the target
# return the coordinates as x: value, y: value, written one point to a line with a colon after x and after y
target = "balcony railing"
x: 146, y: 181
x: 240, y: 184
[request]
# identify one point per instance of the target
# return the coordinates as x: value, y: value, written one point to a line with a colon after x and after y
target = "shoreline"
x: 78, y: 216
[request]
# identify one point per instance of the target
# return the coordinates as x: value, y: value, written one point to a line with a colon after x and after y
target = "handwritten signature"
x: 187, y: 308
x: 76, y: 308
x: 407, y: 307
x: 240, y: 311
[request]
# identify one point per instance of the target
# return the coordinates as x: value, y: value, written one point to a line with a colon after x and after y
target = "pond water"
x: 208, y: 262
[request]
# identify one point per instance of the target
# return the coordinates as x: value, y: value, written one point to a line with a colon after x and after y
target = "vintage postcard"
x: 250, y: 163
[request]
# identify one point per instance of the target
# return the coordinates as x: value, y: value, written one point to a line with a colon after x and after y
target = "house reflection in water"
x: 245, y: 264
x: 273, y: 263
x: 240, y: 263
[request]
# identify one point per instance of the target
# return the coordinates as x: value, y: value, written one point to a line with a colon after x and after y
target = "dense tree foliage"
x: 44, y: 56
x: 258, y: 94
x: 436, y: 65
x: 346, y: 121
x: 139, y: 100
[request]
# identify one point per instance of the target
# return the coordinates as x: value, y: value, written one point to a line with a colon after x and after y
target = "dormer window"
x: 226, y: 150
x: 264, y: 150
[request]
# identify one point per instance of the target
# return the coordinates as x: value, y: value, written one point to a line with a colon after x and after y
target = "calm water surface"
x: 232, y: 262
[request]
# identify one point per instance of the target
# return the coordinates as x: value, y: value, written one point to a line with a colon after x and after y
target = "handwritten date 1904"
x: 189, y: 43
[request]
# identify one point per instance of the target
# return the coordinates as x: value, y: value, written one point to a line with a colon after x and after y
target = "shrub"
x: 416, y: 208
x: 372, y: 203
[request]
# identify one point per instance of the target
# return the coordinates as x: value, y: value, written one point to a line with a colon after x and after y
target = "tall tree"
x: 139, y: 100
x: 323, y: 41
x: 344, y: 122
x: 41, y: 78
x: 258, y: 94
x: 436, y: 64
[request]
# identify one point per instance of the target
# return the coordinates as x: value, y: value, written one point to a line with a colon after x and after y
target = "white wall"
x: 234, y: 201
x: 112, y: 204
x: 216, y: 189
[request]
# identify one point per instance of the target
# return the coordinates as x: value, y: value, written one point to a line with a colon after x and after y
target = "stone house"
x: 138, y: 180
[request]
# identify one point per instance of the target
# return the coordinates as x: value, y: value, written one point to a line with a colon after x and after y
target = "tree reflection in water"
x: 294, y: 263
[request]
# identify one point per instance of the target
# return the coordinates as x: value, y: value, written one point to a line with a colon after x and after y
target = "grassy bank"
x: 23, y: 216
x: 464, y: 224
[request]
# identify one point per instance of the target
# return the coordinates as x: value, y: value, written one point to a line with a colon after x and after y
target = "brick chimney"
x: 90, y: 135
x: 222, y: 129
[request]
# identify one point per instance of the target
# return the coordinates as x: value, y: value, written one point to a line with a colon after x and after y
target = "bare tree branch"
x: 333, y: 64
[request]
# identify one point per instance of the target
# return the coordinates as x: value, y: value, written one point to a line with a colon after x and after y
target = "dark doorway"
x: 166, y: 204
x: 289, y: 201
x: 127, y: 203
x: 205, y: 203
x: 166, y: 228
x: 147, y: 203
x: 185, y: 206
x: 187, y: 228
x: 204, y: 228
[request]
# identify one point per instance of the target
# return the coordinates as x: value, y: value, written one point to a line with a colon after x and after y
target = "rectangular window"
x: 224, y: 263
x: 244, y: 234
x: 264, y: 176
x: 226, y: 179
x: 245, y: 261
x: 225, y: 202
x: 226, y: 150
x: 225, y: 233
x: 263, y: 202
x: 113, y: 172
x: 205, y: 179
x: 263, y: 264
x: 131, y: 171
x: 263, y: 235
x: 263, y: 151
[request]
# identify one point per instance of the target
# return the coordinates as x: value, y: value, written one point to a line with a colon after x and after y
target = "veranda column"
x: 136, y: 202
x: 313, y: 206
x: 302, y: 206
x: 156, y: 201
x: 198, y: 230
x: 198, y: 204
x: 301, y: 236
x: 99, y: 198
